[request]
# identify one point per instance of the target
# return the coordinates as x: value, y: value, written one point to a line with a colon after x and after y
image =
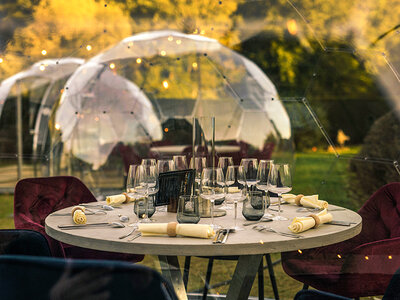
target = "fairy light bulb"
x: 178, y: 42
x: 165, y: 84
x: 57, y: 126
x: 170, y: 38
x: 292, y: 26
x: 163, y: 53
x: 112, y: 66
x: 138, y: 60
x: 1, y: 60
x: 88, y: 47
x: 44, y: 52
x: 194, y: 65
x: 42, y: 68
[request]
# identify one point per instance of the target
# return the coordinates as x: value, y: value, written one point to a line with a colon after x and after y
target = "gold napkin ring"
x: 316, y: 219
x: 298, y: 198
x: 171, y: 228
x: 126, y: 197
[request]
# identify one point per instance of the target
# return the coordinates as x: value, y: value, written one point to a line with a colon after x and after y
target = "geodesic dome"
x: 28, y: 97
x: 143, y: 93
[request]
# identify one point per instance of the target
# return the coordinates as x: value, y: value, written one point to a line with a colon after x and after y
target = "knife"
x: 340, y: 223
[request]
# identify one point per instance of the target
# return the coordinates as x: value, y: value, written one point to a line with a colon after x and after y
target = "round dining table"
x: 248, y: 244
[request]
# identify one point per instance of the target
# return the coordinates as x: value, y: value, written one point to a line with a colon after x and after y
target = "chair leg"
x: 305, y: 287
x: 186, y: 271
x: 272, y: 275
x: 261, y: 281
x: 208, y: 277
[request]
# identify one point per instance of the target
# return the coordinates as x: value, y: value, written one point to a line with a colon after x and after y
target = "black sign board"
x: 173, y: 184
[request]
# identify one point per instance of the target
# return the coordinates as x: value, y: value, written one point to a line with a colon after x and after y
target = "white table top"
x: 246, y: 242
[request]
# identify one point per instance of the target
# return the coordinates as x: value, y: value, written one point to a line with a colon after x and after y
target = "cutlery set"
x: 222, y: 235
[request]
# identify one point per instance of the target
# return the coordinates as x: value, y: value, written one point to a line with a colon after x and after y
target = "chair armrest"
x: 378, y: 257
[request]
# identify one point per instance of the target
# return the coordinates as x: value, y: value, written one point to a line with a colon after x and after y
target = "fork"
x: 135, y: 227
x: 270, y: 229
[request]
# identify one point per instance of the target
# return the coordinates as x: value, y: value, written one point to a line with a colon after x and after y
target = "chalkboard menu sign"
x: 173, y: 184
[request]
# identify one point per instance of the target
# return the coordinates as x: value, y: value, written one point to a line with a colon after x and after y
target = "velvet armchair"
x: 363, y: 265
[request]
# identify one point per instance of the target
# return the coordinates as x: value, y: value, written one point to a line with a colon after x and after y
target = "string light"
x: 165, y: 84
x: 112, y: 66
x: 300, y: 251
x: 366, y: 257
x: 1, y: 60
x: 261, y: 242
x: 178, y: 42
x: 170, y: 38
x: 339, y: 256
x: 44, y: 52
x: 42, y: 68
x: 390, y: 257
x: 88, y: 47
x: 292, y: 26
x: 195, y: 31
x: 194, y: 65
x: 166, y: 129
x: 163, y: 53
x: 57, y: 126
x: 202, y: 32
x: 138, y: 60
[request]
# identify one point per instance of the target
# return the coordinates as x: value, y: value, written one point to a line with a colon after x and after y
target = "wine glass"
x: 280, y: 182
x: 130, y: 180
x: 235, y: 182
x: 262, y: 181
x: 146, y: 184
x: 148, y: 162
x: 165, y: 165
x: 212, y: 187
x: 180, y: 162
x: 224, y: 162
x: 250, y: 167
x: 198, y: 163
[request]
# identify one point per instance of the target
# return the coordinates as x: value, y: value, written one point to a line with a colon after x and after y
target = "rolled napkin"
x: 301, y: 224
x: 306, y: 201
x: 78, y: 215
x: 173, y: 229
x: 116, y: 199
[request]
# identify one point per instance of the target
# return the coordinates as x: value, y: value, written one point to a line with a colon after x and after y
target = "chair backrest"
x: 27, y: 277
x: 36, y: 198
x: 23, y: 242
x: 393, y: 289
x: 381, y: 214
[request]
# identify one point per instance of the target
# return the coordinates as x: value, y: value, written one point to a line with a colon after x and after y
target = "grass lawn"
x: 315, y: 173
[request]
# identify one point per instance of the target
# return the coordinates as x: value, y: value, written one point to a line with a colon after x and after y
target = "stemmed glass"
x: 165, y: 165
x: 130, y: 180
x: 235, y: 181
x: 280, y: 182
x: 262, y: 181
x: 148, y: 162
x: 180, y: 162
x: 198, y: 163
x: 146, y: 184
x: 224, y: 162
x: 250, y: 167
x: 212, y: 187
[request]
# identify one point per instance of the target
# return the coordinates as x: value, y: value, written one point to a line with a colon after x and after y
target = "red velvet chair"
x: 36, y: 198
x: 363, y: 265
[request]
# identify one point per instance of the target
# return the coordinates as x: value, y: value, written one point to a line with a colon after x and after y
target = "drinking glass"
x: 199, y: 163
x: 212, y: 187
x: 165, y: 165
x: 148, y: 162
x: 253, y: 206
x: 250, y: 167
x: 130, y: 179
x: 144, y: 209
x: 180, y: 162
x: 262, y: 181
x: 280, y: 182
x: 146, y: 184
x: 235, y: 189
x: 188, y: 209
x: 224, y: 162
